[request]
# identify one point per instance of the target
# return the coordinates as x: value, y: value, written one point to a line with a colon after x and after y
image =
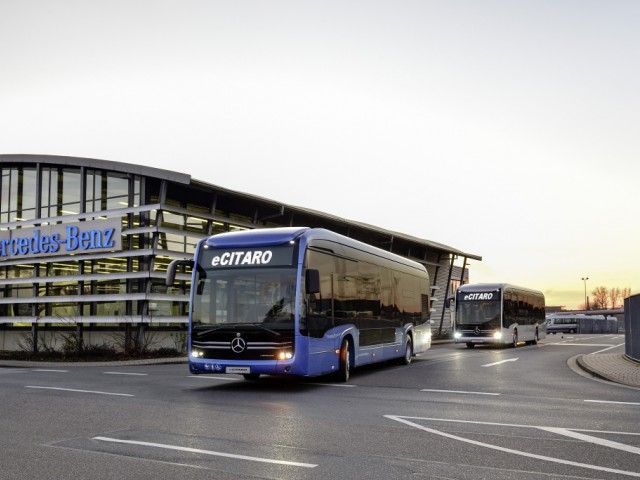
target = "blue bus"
x: 499, y: 313
x: 301, y: 301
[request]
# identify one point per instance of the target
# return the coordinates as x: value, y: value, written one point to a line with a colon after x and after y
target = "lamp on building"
x: 586, y: 300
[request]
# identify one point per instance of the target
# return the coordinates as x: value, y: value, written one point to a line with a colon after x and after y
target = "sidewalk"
x: 120, y: 363
x: 614, y: 367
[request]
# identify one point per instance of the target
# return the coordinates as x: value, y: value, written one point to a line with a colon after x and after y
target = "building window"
x: 19, y: 187
x: 60, y: 192
x: 108, y: 191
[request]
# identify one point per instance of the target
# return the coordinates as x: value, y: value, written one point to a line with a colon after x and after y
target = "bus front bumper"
x: 265, y: 367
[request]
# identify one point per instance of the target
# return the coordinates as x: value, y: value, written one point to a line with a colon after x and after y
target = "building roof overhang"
x: 186, y: 179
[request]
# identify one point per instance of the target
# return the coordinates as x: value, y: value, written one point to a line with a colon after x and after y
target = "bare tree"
x: 600, y: 298
x: 615, y: 294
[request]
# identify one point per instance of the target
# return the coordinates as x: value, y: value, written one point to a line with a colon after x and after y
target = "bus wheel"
x: 345, y: 362
x: 535, y: 338
x: 514, y: 341
x: 408, y: 352
x: 470, y: 345
x: 251, y: 376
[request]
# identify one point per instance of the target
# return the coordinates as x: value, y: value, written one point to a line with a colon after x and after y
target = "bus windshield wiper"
x: 209, y: 330
x: 262, y: 327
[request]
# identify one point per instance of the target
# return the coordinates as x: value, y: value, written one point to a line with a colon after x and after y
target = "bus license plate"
x: 238, y: 370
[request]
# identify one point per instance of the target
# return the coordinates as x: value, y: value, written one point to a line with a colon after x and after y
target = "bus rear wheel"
x: 514, y: 339
x: 344, y: 368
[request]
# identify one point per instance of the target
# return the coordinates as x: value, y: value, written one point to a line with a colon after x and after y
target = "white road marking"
x: 458, y: 391
x: 610, y: 401
x: 126, y: 373
x: 569, y: 344
x: 333, y: 384
x: 49, y: 370
x: 203, y: 377
x: 79, y: 391
x: 518, y: 452
x: 605, y: 349
x: 205, y: 452
x: 501, y: 361
x: 590, y: 439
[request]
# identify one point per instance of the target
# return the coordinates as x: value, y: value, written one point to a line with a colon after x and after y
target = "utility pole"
x: 586, y: 299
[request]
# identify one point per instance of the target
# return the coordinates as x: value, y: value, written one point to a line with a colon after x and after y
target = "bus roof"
x: 575, y: 315
x: 279, y: 235
x: 264, y: 237
x: 488, y: 287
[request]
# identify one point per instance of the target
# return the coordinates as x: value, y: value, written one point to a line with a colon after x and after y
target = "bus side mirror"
x: 171, y: 270
x: 312, y: 280
x: 448, y: 302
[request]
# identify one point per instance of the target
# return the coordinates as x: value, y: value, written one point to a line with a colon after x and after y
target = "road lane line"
x: 332, y: 384
x: 611, y: 401
x: 79, y: 391
x: 205, y: 452
x: 125, y: 373
x: 605, y: 349
x: 509, y: 450
x: 501, y: 361
x: 203, y: 377
x: 590, y: 439
x: 457, y: 391
x: 49, y: 370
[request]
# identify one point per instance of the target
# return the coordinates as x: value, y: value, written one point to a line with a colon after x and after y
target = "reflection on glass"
x: 262, y: 297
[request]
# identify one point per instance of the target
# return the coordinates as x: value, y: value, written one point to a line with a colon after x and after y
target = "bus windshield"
x: 478, y: 313
x: 262, y: 297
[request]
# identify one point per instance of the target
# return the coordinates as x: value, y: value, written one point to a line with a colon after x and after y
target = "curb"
x: 614, y: 368
x: 116, y: 363
x: 591, y: 371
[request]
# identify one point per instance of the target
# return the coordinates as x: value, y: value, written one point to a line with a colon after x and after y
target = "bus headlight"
x: 457, y: 335
x: 197, y: 354
x: 285, y: 355
x: 497, y: 335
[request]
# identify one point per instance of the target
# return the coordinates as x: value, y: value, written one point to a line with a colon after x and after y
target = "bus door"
x: 318, y: 321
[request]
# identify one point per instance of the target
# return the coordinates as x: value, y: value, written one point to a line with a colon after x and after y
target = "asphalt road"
x: 454, y: 413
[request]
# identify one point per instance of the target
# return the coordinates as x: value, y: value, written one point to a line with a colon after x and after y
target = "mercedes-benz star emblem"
x: 238, y: 345
x: 476, y: 331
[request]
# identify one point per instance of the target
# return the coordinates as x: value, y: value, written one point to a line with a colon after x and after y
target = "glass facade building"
x: 87, y: 242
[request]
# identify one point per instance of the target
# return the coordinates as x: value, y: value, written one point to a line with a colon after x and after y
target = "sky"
x: 505, y: 129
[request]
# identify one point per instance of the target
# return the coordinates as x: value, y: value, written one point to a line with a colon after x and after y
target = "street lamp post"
x: 586, y: 301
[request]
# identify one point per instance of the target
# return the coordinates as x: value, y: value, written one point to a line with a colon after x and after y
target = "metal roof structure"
x: 278, y: 208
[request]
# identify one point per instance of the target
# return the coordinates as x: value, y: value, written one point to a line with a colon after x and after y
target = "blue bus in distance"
x: 301, y: 301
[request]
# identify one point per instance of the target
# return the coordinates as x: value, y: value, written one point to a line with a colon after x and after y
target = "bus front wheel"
x: 408, y: 351
x: 345, y: 362
x: 470, y: 345
x: 514, y: 340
